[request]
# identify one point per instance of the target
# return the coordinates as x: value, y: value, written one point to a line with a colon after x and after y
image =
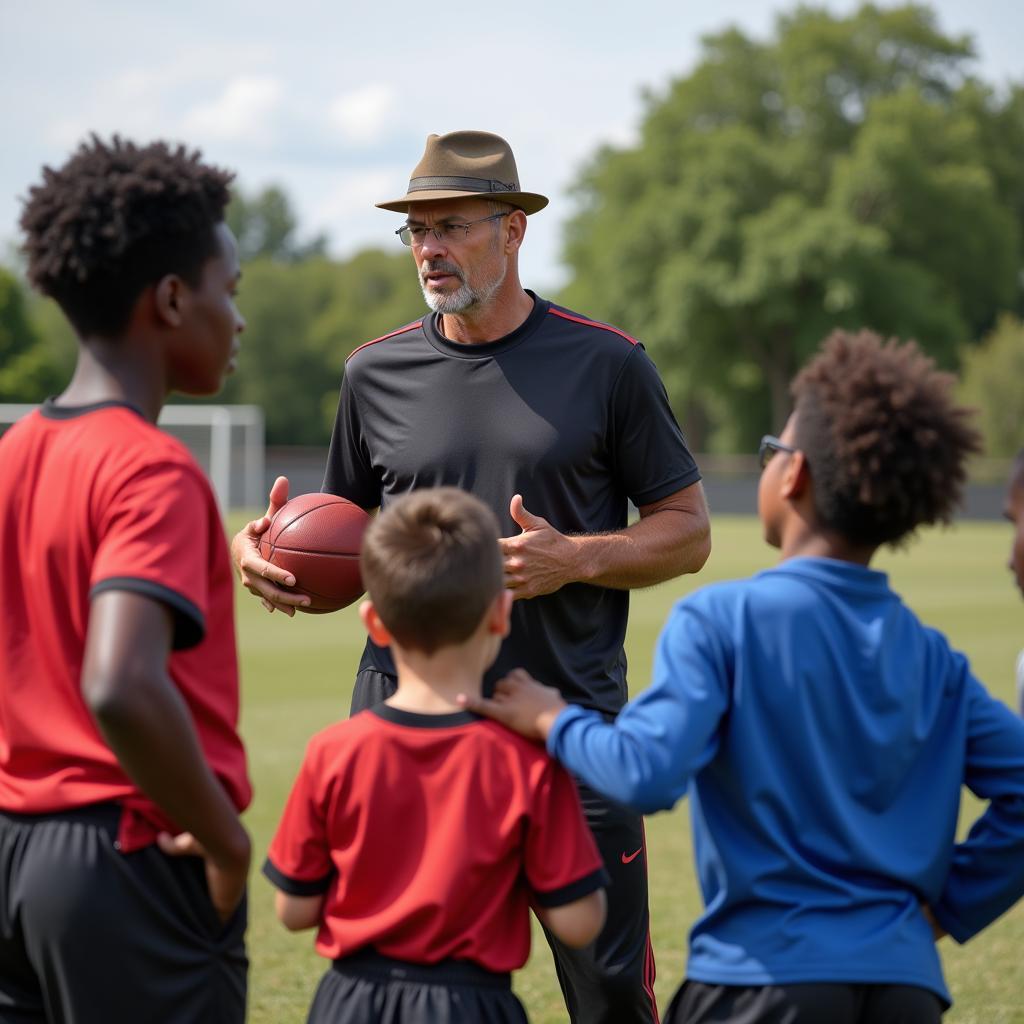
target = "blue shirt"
x: 823, y: 735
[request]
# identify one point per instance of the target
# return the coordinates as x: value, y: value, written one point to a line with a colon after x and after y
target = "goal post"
x: 226, y: 440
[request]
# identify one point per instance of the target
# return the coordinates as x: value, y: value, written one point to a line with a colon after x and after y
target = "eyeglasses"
x: 768, y: 447
x: 450, y: 231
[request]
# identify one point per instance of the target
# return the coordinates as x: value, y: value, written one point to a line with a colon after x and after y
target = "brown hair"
x: 886, y: 444
x: 432, y: 566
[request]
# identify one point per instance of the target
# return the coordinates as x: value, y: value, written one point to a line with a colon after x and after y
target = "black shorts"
x: 89, y: 935
x: 371, y: 989
x: 834, y: 1003
x: 611, y: 981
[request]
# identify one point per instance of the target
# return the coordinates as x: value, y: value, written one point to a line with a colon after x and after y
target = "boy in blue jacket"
x: 821, y: 731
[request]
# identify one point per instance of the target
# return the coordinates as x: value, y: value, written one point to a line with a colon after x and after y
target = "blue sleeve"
x: 646, y: 758
x: 986, y: 876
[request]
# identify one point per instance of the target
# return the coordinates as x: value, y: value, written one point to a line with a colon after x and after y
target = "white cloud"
x: 366, y: 115
x: 245, y: 112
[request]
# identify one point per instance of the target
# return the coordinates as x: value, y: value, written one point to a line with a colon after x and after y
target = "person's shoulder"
x: 502, y: 741
x: 572, y: 323
x: 378, y: 347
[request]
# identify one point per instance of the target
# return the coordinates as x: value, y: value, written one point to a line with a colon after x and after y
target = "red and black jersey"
x: 97, y: 498
x: 429, y: 836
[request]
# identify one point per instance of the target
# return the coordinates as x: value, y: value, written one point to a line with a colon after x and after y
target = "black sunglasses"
x: 768, y: 447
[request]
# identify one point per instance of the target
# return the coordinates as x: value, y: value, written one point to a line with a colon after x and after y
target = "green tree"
x: 993, y: 373
x: 28, y: 370
x: 846, y: 172
x: 265, y: 225
x: 303, y: 320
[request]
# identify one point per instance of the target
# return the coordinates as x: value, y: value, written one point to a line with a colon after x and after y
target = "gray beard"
x: 464, y: 297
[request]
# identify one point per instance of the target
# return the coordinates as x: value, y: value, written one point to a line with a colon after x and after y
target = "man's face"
x: 462, y: 273
x: 1013, y: 509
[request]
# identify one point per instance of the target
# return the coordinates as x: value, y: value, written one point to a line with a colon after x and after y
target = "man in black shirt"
x: 556, y: 422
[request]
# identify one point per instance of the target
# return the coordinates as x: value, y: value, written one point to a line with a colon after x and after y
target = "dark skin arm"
x: 147, y: 725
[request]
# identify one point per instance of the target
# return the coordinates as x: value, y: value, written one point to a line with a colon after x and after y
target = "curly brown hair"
x: 115, y: 218
x: 886, y: 444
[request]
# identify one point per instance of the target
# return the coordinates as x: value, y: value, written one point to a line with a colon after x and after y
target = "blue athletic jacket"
x: 823, y: 735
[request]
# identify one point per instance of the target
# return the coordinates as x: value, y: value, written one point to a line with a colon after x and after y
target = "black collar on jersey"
x: 485, y: 349
x: 52, y: 411
x: 398, y: 716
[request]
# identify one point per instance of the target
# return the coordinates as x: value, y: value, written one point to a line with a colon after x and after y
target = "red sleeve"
x: 299, y: 859
x: 154, y: 538
x: 562, y: 860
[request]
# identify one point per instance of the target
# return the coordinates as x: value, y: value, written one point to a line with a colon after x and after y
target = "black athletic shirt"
x: 569, y: 413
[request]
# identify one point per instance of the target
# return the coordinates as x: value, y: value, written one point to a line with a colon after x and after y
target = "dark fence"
x: 730, y: 481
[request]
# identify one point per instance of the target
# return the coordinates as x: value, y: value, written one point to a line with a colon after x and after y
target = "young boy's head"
x: 119, y: 222
x: 1013, y: 509
x: 881, y: 440
x: 432, y: 567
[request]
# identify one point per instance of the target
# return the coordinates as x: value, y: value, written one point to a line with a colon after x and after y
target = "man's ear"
x: 796, y: 476
x: 516, y: 231
x: 499, y: 620
x: 168, y: 296
x: 375, y: 629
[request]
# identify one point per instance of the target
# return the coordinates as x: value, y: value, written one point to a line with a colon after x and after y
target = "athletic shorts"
x: 89, y: 935
x: 371, y: 989
x: 834, y: 1003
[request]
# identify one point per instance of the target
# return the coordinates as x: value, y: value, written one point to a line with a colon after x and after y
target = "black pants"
x: 698, y: 1003
x: 89, y: 935
x: 612, y: 980
x: 371, y: 989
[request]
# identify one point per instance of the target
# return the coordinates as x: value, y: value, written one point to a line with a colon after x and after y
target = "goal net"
x: 226, y: 440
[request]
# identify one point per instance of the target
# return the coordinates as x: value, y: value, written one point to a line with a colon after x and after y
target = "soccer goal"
x: 226, y: 440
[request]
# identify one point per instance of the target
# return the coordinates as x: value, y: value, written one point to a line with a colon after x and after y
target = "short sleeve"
x: 155, y: 538
x: 650, y: 453
x: 299, y: 859
x: 562, y: 860
x: 350, y: 471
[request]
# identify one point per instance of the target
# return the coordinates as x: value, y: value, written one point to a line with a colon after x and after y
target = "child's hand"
x: 521, y: 703
x: 938, y: 931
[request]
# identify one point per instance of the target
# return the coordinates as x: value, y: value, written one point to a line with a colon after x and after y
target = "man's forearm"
x: 660, y: 546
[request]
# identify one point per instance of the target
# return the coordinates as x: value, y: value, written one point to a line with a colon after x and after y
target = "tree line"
x: 848, y: 171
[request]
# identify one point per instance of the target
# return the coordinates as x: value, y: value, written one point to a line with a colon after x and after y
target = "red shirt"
x: 97, y: 498
x: 429, y: 836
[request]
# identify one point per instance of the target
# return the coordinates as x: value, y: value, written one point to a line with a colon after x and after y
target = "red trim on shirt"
x: 590, y: 323
x: 384, y: 337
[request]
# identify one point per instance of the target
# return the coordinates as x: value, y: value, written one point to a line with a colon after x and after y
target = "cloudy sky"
x: 333, y: 100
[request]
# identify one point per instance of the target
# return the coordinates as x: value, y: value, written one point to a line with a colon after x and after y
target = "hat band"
x: 456, y: 183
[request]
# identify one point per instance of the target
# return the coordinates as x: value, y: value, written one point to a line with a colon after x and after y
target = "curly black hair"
x: 885, y: 441
x: 115, y: 218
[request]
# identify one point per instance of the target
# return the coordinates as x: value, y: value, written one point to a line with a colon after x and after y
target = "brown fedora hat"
x: 460, y: 164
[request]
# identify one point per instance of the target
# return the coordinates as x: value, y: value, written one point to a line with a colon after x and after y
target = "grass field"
x: 297, y: 676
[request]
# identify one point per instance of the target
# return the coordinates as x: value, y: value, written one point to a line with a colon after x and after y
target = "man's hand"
x: 225, y: 878
x: 521, y: 703
x: 258, y: 576
x: 540, y: 560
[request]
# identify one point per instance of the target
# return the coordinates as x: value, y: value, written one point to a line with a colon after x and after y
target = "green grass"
x: 297, y: 676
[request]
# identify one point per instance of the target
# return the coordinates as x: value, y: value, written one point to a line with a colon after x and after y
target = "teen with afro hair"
x: 820, y: 730
x: 122, y: 774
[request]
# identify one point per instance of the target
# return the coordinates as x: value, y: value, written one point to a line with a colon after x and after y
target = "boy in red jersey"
x: 418, y: 834
x: 122, y: 774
